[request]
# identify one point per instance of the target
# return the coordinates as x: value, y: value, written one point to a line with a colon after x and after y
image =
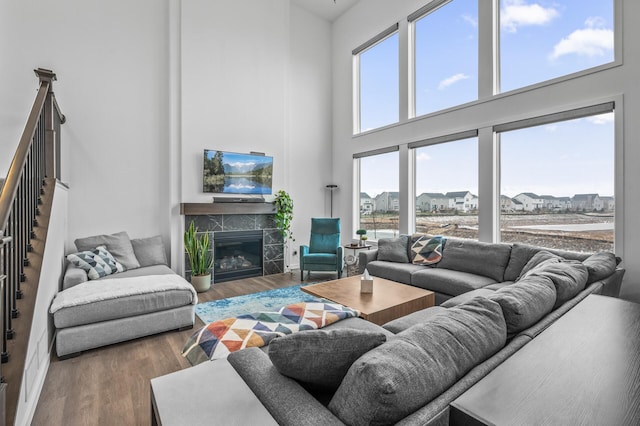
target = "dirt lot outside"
x: 514, y: 228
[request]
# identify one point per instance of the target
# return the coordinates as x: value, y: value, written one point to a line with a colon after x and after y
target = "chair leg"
x: 301, y: 274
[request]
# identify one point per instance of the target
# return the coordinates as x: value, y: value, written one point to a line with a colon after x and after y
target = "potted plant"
x: 200, y: 258
x: 363, y: 236
x: 283, y: 218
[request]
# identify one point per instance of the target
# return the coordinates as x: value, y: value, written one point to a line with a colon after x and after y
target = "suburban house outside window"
x: 378, y: 184
x: 445, y: 54
x: 446, y: 183
x: 557, y: 180
x: 541, y: 40
x: 376, y: 85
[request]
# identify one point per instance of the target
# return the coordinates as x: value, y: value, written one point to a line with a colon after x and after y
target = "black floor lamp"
x: 331, y: 188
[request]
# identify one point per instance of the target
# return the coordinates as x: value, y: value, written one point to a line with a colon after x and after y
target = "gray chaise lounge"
x: 147, y: 298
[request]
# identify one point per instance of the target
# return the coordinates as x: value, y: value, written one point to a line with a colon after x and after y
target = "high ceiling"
x: 327, y: 9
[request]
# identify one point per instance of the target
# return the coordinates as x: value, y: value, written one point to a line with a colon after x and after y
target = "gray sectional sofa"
x: 343, y: 374
x: 469, y: 265
x: 146, y: 298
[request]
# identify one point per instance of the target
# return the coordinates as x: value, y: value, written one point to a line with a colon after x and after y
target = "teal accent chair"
x: 324, y: 252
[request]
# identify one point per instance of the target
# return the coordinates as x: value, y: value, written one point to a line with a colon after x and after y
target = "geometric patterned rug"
x: 268, y: 300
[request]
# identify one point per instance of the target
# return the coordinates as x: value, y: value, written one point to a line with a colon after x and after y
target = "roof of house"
x: 529, y: 194
x: 584, y: 196
x: 432, y: 194
x: 457, y: 194
x: 364, y: 195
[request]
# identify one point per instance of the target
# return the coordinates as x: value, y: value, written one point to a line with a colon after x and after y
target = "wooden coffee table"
x: 389, y: 300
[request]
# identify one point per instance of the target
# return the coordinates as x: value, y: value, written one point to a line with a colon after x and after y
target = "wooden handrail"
x: 12, y: 181
x: 25, y: 207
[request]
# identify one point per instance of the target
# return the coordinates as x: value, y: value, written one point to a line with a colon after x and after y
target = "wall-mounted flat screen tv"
x: 234, y: 173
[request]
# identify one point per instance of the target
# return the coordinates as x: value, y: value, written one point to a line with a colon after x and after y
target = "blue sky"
x: 539, y: 40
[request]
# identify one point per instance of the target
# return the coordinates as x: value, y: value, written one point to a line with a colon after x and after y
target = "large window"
x: 446, y: 56
x: 379, y: 195
x: 377, y: 81
x: 544, y: 39
x: 557, y: 183
x: 446, y: 182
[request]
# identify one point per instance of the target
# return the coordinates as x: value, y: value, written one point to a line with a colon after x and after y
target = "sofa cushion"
x: 399, y: 272
x: 569, y: 278
x: 320, y: 259
x: 119, y: 245
x: 97, y: 262
x: 486, y: 259
x: 600, y: 265
x: 403, y: 323
x: 525, y: 302
x: 395, y: 379
x: 448, y: 281
x: 427, y: 250
x: 321, y: 358
x: 98, y: 301
x: 465, y: 297
x: 149, y: 251
x: 538, y: 260
x: 522, y: 253
x: 393, y: 249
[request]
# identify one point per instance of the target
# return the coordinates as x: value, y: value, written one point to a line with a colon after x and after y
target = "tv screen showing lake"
x: 244, y: 185
x: 233, y: 173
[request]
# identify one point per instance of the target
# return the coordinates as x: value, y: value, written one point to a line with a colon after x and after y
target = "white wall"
x: 256, y: 76
x: 367, y: 19
x: 111, y: 59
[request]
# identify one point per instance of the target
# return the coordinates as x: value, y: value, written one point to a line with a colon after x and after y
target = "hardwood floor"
x: 110, y: 385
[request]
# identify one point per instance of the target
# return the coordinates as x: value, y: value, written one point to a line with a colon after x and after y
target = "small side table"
x: 352, y: 259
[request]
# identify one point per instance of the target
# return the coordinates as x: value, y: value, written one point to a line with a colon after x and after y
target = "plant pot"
x: 201, y: 282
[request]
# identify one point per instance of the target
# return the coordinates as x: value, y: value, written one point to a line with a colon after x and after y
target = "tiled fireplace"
x: 244, y: 238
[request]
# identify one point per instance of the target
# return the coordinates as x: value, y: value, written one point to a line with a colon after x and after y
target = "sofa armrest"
x: 611, y: 285
x: 73, y: 276
x: 366, y: 256
x: 287, y: 401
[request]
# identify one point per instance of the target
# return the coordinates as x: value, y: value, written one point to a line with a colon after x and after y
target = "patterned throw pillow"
x: 428, y: 251
x: 97, y: 262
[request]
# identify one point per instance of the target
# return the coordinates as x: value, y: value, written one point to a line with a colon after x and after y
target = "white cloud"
x: 472, y: 20
x: 551, y: 128
x: 452, y: 80
x: 517, y: 13
x: 423, y: 156
x: 588, y: 41
x: 602, y: 118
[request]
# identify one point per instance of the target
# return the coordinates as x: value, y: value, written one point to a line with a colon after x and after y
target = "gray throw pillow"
x: 569, y: 277
x: 538, y: 260
x: 525, y: 302
x: 119, y: 245
x: 321, y: 358
x: 398, y: 377
x: 149, y: 251
x: 600, y: 265
x: 394, y: 249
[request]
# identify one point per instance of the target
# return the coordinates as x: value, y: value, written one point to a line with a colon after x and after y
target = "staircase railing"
x: 36, y: 162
